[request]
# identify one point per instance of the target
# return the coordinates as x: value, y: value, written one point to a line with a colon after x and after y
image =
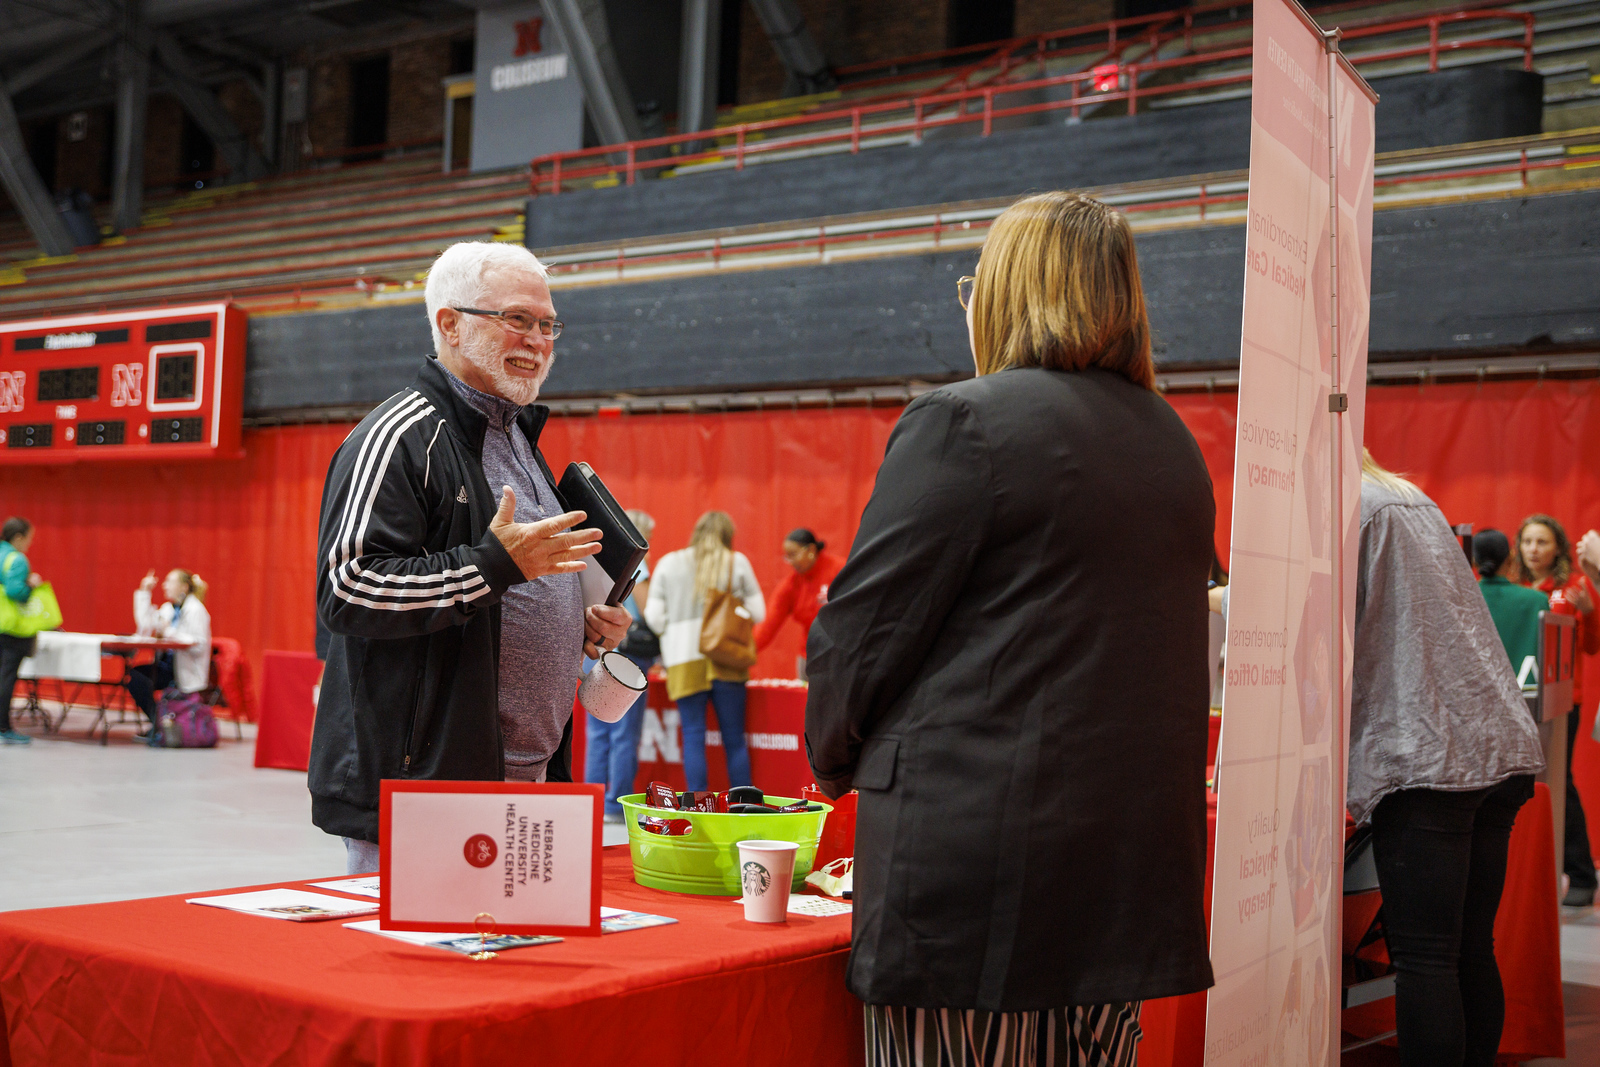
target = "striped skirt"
x: 1094, y: 1035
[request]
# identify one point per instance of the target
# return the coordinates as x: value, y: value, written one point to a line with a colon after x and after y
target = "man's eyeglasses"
x: 519, y: 322
x: 964, y: 286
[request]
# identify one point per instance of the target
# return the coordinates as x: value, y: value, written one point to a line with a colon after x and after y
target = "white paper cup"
x: 766, y: 868
x: 612, y: 687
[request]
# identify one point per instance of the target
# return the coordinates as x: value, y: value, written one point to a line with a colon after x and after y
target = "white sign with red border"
x: 525, y: 855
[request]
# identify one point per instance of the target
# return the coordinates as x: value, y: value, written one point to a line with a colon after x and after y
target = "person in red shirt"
x: 802, y: 593
x: 1544, y: 557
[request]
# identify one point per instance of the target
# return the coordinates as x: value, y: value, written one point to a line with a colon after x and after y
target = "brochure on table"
x: 612, y: 921
x: 490, y: 857
x: 296, y: 905
x: 362, y: 885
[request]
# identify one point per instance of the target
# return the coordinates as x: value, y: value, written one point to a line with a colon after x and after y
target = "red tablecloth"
x: 163, y: 982
x: 775, y: 725
x: 288, y: 709
x: 1527, y: 938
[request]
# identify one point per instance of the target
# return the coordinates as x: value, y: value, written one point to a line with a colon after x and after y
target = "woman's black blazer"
x: 1011, y: 668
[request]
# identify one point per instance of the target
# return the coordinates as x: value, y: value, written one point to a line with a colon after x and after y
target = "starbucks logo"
x: 480, y: 850
x: 756, y: 879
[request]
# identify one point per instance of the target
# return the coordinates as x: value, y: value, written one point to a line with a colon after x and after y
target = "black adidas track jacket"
x: 409, y: 581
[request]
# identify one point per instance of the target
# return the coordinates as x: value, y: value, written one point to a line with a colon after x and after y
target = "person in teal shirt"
x: 17, y: 581
x: 1514, y: 608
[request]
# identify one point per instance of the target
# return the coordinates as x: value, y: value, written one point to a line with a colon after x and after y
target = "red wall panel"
x: 248, y: 527
x: 1489, y: 454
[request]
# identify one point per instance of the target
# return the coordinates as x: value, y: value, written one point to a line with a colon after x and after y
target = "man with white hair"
x: 447, y: 570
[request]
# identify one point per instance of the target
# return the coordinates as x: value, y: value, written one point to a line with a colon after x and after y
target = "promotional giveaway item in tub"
x: 689, y: 843
x: 611, y: 687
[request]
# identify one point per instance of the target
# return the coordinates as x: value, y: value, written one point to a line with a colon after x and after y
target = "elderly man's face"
x: 503, y: 363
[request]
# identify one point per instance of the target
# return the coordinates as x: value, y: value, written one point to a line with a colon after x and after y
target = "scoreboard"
x: 158, y: 384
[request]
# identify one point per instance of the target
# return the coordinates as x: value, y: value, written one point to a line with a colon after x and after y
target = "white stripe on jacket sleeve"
x: 408, y: 591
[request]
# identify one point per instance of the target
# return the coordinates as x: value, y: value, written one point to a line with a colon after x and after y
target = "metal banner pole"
x: 1338, y: 404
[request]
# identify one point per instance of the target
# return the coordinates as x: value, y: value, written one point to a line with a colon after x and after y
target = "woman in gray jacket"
x: 1442, y: 755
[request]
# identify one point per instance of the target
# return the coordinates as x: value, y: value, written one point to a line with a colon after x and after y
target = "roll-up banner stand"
x: 1275, y: 919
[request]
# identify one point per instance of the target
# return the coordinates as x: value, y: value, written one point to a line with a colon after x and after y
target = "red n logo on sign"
x: 13, y: 390
x: 528, y: 37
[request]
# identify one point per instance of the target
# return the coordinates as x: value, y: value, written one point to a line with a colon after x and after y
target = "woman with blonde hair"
x: 1442, y: 755
x: 1543, y: 557
x: 676, y: 609
x: 1020, y: 697
x: 182, y: 618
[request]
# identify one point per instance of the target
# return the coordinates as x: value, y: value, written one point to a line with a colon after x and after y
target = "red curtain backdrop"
x: 248, y: 527
x: 1489, y: 454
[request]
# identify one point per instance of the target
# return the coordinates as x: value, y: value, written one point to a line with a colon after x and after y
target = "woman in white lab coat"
x: 182, y: 618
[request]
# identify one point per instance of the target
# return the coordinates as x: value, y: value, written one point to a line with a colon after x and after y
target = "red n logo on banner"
x: 528, y: 37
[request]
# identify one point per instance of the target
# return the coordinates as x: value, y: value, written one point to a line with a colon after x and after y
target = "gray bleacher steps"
x: 1415, y: 111
x: 1439, y: 286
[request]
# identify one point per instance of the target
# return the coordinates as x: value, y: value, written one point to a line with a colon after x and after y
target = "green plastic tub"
x: 706, y: 859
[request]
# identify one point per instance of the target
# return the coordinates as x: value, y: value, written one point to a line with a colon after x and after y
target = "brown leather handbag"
x: 727, y: 633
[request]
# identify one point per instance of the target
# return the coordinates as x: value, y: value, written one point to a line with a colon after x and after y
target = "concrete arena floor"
x: 81, y: 823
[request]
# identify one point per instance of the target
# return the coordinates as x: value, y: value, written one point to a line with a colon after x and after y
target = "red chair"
x: 228, y: 691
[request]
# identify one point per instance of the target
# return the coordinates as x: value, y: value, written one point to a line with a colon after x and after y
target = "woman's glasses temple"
x: 964, y: 286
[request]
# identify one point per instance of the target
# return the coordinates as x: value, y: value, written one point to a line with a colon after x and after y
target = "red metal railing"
x: 1114, y: 31
x: 927, y: 111
x: 615, y: 264
x: 1432, y: 23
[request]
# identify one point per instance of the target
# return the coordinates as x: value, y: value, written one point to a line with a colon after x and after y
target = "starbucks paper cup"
x: 612, y: 687
x: 766, y: 868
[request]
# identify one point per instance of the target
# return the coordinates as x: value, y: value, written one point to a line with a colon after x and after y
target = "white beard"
x: 486, y: 350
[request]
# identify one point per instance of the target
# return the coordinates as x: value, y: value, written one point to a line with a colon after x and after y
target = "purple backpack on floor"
x: 186, y: 721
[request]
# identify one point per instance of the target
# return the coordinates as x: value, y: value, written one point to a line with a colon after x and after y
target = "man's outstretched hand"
x: 1589, y: 555
x: 544, y: 547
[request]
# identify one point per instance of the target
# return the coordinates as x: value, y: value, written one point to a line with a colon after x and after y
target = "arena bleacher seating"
x: 892, y: 165
x: 351, y: 231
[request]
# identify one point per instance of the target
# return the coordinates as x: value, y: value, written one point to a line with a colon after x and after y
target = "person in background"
x: 675, y: 610
x: 1544, y: 561
x: 1442, y: 755
x: 1216, y: 655
x: 1514, y: 608
x: 1031, y: 827
x: 182, y: 618
x: 612, y: 751
x: 17, y: 581
x: 802, y: 592
x: 1589, y: 556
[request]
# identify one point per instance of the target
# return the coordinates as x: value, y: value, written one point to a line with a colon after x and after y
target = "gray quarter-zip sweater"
x: 541, y: 622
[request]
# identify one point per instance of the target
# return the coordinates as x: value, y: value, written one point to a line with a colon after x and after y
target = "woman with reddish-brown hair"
x: 1018, y: 695
x: 1544, y: 561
